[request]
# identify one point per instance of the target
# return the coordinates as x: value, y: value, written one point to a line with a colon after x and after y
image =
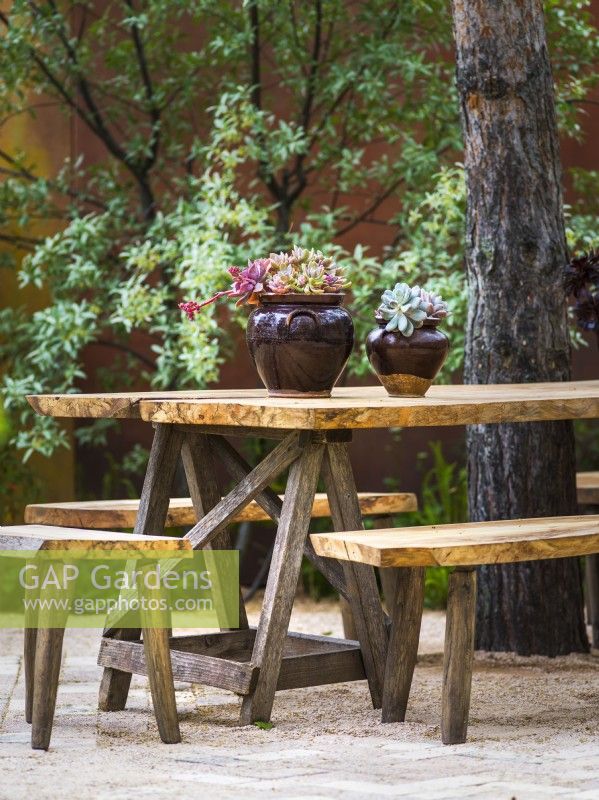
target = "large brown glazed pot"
x: 300, y: 343
x: 406, y: 366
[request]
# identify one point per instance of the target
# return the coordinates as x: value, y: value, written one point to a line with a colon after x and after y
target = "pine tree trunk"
x: 517, y: 329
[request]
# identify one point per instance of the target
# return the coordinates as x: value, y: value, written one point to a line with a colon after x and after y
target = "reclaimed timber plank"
x: 52, y: 537
x: 463, y: 544
x: 117, y: 405
x: 192, y: 667
x: 347, y: 408
x: 320, y: 668
x: 109, y: 514
x: 371, y: 407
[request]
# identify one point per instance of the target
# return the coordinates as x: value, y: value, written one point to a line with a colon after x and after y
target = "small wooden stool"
x: 464, y: 547
x: 43, y: 645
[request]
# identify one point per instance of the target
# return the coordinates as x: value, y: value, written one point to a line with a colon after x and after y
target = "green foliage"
x: 443, y: 498
x: 214, y: 118
x: 17, y: 486
x: 587, y: 444
x: 264, y: 726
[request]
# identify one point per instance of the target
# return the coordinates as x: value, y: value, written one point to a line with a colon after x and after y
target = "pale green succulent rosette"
x: 404, y: 309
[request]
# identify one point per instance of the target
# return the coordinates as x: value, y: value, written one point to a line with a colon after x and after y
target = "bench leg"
x: 459, y: 655
x: 153, y: 509
x: 592, y: 596
x: 48, y: 654
x: 29, y: 667
x: 406, y: 613
x: 160, y: 676
x: 155, y: 631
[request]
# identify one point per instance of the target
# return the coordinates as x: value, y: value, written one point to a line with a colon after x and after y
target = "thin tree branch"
x: 371, y: 208
x: 256, y: 98
x: 149, y: 92
x: 22, y: 242
x: 125, y: 349
x: 256, y: 90
x: 314, y: 65
x: 92, y: 117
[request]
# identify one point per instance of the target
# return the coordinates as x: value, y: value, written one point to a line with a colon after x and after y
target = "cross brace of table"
x: 255, y: 663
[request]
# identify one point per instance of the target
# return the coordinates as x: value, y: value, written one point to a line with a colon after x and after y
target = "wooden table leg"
x: 388, y: 578
x: 362, y: 589
x: 406, y: 612
x: 153, y: 508
x: 282, y: 582
x: 459, y: 655
x: 205, y: 492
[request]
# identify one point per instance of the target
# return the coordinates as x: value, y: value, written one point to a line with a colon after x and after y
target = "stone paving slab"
x: 534, y: 734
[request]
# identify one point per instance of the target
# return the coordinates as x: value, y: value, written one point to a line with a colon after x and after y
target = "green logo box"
x: 119, y: 589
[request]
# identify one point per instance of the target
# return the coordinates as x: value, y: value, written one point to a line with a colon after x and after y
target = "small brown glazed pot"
x: 300, y: 343
x: 406, y: 366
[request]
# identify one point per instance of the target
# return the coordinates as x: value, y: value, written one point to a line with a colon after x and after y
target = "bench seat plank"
x: 587, y: 484
x: 50, y: 537
x: 466, y: 544
x: 98, y: 514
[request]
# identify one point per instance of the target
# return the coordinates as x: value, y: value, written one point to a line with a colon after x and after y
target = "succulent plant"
x: 304, y: 271
x: 300, y: 271
x: 436, y: 307
x: 403, y: 308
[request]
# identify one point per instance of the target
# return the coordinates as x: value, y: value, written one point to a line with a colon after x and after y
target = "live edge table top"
x: 348, y: 408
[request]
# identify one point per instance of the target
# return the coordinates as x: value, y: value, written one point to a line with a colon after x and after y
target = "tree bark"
x: 517, y: 329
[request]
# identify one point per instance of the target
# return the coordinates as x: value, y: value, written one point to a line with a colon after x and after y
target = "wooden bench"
x: 587, y: 485
x: 464, y: 547
x: 43, y: 645
x: 99, y: 514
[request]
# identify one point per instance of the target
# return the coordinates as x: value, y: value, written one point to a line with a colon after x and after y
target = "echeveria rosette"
x: 404, y: 309
x: 436, y: 307
x: 299, y: 272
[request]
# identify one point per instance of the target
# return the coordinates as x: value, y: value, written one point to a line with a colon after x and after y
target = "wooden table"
x: 313, y: 437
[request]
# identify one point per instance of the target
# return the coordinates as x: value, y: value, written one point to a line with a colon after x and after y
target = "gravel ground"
x: 534, y: 733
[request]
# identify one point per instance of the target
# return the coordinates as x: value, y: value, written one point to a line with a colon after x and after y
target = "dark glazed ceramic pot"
x: 406, y: 366
x: 300, y: 343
